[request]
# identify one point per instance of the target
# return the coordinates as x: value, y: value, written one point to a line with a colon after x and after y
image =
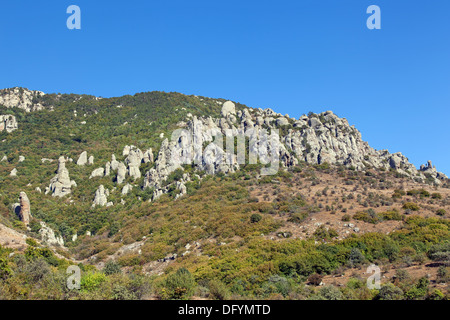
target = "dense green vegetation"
x: 250, y: 268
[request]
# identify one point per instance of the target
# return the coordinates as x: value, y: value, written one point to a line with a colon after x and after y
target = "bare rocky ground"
x: 10, y: 238
x: 377, y: 196
x: 388, y: 274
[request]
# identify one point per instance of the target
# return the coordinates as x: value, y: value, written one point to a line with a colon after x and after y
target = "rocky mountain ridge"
x: 313, y: 138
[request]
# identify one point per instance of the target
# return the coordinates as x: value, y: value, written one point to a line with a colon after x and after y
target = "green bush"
x: 92, y: 281
x: 5, y: 270
x: 218, y: 290
x: 180, y: 285
x: 411, y: 206
x: 255, y: 218
x: 390, y: 292
x: 111, y: 267
x: 356, y: 257
x: 322, y: 233
x: 331, y: 293
x: 371, y: 217
x: 31, y: 242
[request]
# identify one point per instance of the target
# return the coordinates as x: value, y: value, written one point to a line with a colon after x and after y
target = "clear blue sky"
x: 296, y: 56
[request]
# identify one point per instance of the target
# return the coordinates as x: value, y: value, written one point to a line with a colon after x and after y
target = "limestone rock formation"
x: 8, y: 123
x: 82, y: 160
x: 48, y: 236
x: 61, y: 185
x: 101, y: 197
x: 25, y: 211
x: 114, y: 163
x: 121, y: 172
x: 430, y: 171
x: 91, y: 160
x: 107, y: 169
x: 313, y: 138
x: 133, y: 161
x: 127, y: 188
x: 99, y: 172
x: 13, y: 172
x: 21, y: 98
x: 228, y: 108
x: 148, y: 156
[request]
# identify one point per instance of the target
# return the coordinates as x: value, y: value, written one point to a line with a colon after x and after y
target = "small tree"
x: 111, y: 267
x: 356, y: 257
x: 255, y: 218
x: 390, y: 292
x: 315, y: 279
x: 180, y: 285
x: 331, y: 293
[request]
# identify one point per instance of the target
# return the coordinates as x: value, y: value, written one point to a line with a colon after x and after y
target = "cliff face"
x: 21, y: 98
x: 315, y: 139
x: 8, y: 123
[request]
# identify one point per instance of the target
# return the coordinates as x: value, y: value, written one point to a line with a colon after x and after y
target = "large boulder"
x: 101, y: 197
x: 133, y: 161
x: 282, y: 121
x: 121, y: 172
x: 48, y: 236
x: 127, y: 188
x: 82, y: 160
x: 99, y: 172
x: 25, y: 211
x: 61, y: 185
x: 228, y: 108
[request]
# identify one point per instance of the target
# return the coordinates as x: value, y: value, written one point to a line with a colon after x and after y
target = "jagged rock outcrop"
x: 48, y: 236
x: 61, y: 185
x: 13, y: 173
x: 228, y: 108
x: 127, y: 188
x: 8, y: 123
x: 21, y: 98
x: 99, y: 172
x: 126, y: 151
x: 430, y: 170
x: 101, y: 197
x: 148, y: 156
x: 91, y: 160
x: 25, y: 210
x: 114, y: 163
x: 315, y: 139
x: 82, y: 160
x: 107, y: 169
x: 121, y: 172
x: 133, y: 161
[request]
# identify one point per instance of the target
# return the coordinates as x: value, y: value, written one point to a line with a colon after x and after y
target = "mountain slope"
x: 134, y: 201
